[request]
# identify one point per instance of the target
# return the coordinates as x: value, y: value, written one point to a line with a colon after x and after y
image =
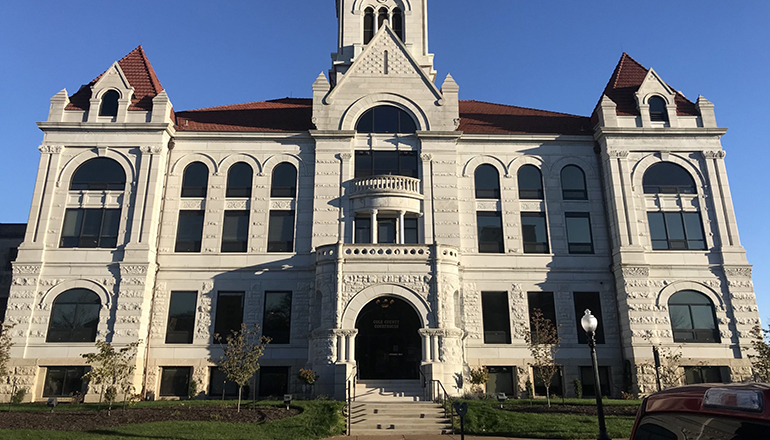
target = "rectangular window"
x: 592, y: 302
x: 363, y: 229
x: 542, y: 301
x: 189, y: 233
x: 280, y: 235
x: 490, y: 232
x: 277, y: 320
x: 175, y: 381
x: 229, y: 313
x: 579, y: 238
x: 63, y: 381
x: 376, y: 163
x: 556, y: 388
x: 90, y: 228
x: 386, y: 230
x: 534, y: 233
x: 273, y: 381
x: 501, y: 380
x: 222, y: 388
x: 497, y: 324
x: 411, y: 232
x: 706, y: 374
x: 181, y: 318
x: 676, y: 231
x: 235, y: 231
x: 588, y: 380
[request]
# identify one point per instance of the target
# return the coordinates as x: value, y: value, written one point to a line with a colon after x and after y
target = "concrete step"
x: 389, y: 390
x: 396, y: 418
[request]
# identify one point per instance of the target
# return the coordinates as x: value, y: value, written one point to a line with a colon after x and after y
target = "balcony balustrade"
x: 387, y: 192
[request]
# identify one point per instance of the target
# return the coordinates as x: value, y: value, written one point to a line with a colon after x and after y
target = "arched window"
x: 196, y: 180
x: 530, y: 183
x: 573, y: 183
x: 398, y: 23
x: 239, y: 180
x: 487, y: 182
x: 658, y: 111
x: 74, y: 317
x: 284, y: 183
x: 692, y: 317
x: 100, y: 173
x: 667, y: 178
x: 369, y: 28
x: 109, y: 105
x: 386, y: 119
x: 383, y: 18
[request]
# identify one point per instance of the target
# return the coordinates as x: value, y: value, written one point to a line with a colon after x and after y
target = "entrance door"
x: 388, y: 344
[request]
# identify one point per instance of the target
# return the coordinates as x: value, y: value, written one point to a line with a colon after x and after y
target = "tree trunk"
x: 548, y: 394
x: 240, y: 388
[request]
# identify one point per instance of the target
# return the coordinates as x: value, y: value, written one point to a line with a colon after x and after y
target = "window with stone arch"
x: 693, y: 318
x: 673, y: 229
x: 487, y: 181
x: 375, y: 20
x: 74, y: 316
x: 530, y: 183
x: 668, y: 178
x: 369, y: 25
x: 658, y: 110
x: 195, y: 180
x: 109, y: 104
x: 239, y: 180
x: 284, y: 181
x: 386, y: 119
x: 99, y: 173
x: 573, y: 183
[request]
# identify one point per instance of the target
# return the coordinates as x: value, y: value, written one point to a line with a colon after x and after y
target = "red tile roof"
x: 294, y: 114
x: 140, y: 75
x: 624, y: 83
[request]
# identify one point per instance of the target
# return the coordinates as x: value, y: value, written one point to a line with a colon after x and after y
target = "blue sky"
x: 547, y: 54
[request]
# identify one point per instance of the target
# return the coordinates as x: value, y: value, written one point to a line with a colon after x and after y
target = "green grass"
x: 486, y: 418
x: 319, y: 419
x: 580, y: 402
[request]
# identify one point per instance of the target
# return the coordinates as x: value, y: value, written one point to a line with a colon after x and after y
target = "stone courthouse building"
x: 384, y: 228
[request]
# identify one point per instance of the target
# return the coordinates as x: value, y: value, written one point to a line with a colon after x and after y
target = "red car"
x: 706, y: 412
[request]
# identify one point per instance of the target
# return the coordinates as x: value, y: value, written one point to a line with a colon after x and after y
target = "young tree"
x: 670, y: 370
x: 5, y: 356
x: 543, y: 342
x: 760, y: 361
x: 240, y: 360
x: 111, y: 369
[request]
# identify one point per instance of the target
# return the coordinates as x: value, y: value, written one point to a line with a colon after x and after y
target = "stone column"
x: 400, y: 237
x: 374, y: 226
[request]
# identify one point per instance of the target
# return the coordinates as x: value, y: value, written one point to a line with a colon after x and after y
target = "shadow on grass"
x: 109, y: 433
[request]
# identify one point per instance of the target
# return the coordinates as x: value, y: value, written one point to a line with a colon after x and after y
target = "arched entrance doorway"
x: 388, y: 345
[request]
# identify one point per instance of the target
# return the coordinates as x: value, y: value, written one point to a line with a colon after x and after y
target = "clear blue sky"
x: 548, y: 54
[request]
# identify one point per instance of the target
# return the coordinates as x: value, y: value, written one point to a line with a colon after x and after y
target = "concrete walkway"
x: 428, y: 437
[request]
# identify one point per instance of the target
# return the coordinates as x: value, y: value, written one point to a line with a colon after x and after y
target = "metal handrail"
x: 443, y: 399
x: 350, y: 391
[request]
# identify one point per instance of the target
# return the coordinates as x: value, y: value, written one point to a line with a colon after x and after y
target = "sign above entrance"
x: 386, y: 323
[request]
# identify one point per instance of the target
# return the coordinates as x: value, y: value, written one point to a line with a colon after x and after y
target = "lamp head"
x: 589, y: 322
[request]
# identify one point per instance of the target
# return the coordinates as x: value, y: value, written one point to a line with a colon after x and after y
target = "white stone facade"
x: 331, y: 278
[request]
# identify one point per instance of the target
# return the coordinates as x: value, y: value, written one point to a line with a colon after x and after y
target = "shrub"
x: 626, y: 396
x: 578, y: 388
x: 18, y: 396
x: 530, y: 389
x: 307, y: 376
x: 192, y: 391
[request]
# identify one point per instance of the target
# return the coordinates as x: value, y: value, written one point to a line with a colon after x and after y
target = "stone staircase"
x: 395, y: 408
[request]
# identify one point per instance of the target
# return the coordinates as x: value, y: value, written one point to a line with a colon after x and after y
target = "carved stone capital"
x: 344, y: 156
x: 636, y: 271
x: 714, y: 154
x: 50, y: 149
x: 426, y: 157
x: 738, y: 272
x: 151, y: 150
x: 618, y: 153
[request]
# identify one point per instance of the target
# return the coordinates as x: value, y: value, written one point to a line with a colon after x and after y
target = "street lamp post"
x: 590, y: 324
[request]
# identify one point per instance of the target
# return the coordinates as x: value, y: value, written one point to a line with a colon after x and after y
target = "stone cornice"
x: 667, y: 132
x: 106, y: 126
x: 240, y: 135
x: 526, y: 138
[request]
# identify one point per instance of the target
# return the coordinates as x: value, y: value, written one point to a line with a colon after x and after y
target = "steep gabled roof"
x: 295, y: 114
x: 624, y: 83
x: 140, y: 75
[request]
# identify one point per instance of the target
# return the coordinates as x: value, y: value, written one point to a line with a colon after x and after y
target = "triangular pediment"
x: 112, y: 78
x: 654, y: 84
x: 386, y: 57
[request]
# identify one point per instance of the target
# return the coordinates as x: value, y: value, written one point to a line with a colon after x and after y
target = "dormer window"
x: 658, y: 111
x: 109, y: 105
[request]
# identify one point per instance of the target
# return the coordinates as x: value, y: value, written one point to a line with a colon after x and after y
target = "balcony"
x: 420, y: 253
x: 387, y: 192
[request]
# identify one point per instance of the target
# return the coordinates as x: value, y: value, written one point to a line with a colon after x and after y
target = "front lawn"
x: 315, y: 419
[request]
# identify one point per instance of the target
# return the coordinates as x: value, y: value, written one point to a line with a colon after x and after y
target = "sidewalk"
x: 425, y: 437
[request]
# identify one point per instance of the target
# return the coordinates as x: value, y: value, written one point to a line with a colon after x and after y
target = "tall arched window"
x: 530, y: 183
x: 658, y: 111
x: 573, y: 183
x: 284, y: 183
x: 109, y: 105
x: 386, y: 119
x: 100, y: 173
x: 692, y: 317
x: 383, y: 18
x: 196, y: 180
x: 369, y: 25
x: 487, y: 182
x: 239, y: 180
x: 398, y: 23
x: 667, y: 178
x: 74, y: 317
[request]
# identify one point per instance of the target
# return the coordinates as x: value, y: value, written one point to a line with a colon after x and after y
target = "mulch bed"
x: 588, y: 410
x: 92, y: 420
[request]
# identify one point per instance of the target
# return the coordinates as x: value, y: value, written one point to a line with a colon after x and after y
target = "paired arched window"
x: 109, y: 104
x: 284, y: 183
x: 369, y: 25
x: 239, y: 179
x: 667, y: 178
x: 386, y: 119
x: 99, y: 173
x: 530, y: 183
x: 74, y: 317
x: 397, y: 21
x: 196, y: 180
x: 376, y: 20
x: 487, y: 182
x: 382, y: 18
x: 573, y: 183
x: 692, y: 317
x: 658, y: 111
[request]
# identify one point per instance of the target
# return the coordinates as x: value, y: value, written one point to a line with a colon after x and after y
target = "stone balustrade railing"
x: 387, y: 184
x: 416, y: 252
